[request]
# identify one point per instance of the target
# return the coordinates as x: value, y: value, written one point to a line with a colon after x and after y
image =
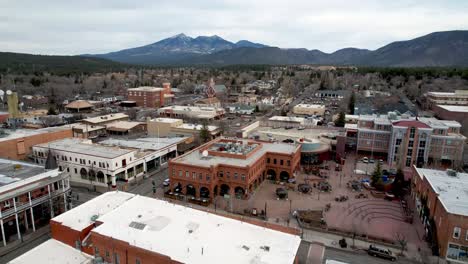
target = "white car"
x: 166, y: 182
x: 365, y: 160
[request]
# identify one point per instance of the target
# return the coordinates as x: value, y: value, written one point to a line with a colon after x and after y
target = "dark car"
x: 381, y: 253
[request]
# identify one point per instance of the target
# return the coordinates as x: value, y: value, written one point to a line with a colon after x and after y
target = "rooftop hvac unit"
x: 451, y: 173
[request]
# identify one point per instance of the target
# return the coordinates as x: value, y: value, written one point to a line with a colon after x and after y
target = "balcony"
x: 23, y: 206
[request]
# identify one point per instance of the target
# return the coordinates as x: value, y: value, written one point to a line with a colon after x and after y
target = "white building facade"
x: 106, y: 163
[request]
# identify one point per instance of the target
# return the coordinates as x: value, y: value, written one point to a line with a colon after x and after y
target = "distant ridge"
x: 438, y: 49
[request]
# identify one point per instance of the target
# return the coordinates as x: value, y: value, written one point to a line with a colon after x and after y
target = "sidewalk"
x: 331, y: 240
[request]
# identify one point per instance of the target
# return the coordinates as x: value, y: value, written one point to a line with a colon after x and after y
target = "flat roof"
x: 122, y: 125
x: 454, y: 108
x: 166, y: 120
x: 86, y: 147
x: 452, y: 190
x: 310, y: 105
x: 144, y: 143
x: 20, y: 133
x: 207, y: 109
x: 197, y: 127
x: 14, y: 174
x: 105, y: 118
x: 85, y: 127
x: 87, y: 213
x: 145, y: 89
x: 193, y: 236
x: 53, y: 252
x: 195, y: 157
x: 287, y: 119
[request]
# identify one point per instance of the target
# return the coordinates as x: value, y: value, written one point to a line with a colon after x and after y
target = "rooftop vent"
x: 451, y: 173
x: 137, y: 225
x: 266, y: 248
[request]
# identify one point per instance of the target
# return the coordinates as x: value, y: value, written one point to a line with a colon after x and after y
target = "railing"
x: 34, y: 202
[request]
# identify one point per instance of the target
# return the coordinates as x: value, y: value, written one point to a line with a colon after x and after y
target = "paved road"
x: 357, y: 257
x: 145, y: 186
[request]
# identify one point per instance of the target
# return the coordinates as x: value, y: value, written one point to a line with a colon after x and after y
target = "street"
x: 359, y: 257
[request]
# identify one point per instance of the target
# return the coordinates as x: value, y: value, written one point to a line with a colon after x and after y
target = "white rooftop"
x: 53, y: 252
x: 86, y: 147
x: 166, y: 120
x: 454, y: 108
x: 192, y: 236
x: 144, y: 143
x: 452, y: 190
x: 197, y: 127
x: 196, y: 158
x: 105, y: 118
x: 81, y: 217
x: 310, y: 105
x: 288, y: 119
x: 145, y: 89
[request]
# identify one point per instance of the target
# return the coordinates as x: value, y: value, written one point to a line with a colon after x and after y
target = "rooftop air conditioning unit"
x: 451, y: 173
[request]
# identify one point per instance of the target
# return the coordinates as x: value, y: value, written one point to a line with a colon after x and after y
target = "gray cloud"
x: 77, y: 27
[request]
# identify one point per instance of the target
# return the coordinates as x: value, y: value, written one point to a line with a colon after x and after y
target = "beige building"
x: 170, y: 127
x: 309, y: 109
x: 105, y: 119
x: 459, y: 97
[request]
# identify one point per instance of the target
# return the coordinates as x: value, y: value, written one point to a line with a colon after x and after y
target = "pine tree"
x: 340, y: 122
x: 377, y: 176
x: 352, y: 102
x: 204, y: 133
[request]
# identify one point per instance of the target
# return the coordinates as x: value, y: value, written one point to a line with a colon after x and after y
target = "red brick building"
x: 18, y: 143
x: 452, y: 112
x: 441, y: 201
x: 232, y: 166
x: 123, y: 228
x: 151, y: 97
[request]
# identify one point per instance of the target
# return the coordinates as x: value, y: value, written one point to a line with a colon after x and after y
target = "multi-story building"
x: 309, y: 109
x: 459, y: 97
x: 179, y: 111
x: 103, y: 164
x: 232, y: 166
x: 452, y: 112
x: 405, y: 141
x: 170, y: 127
x: 440, y: 198
x: 151, y: 97
x: 119, y: 227
x: 29, y: 197
x: 17, y: 144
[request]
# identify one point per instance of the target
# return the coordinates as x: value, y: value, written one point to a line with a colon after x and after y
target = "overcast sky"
x: 94, y: 26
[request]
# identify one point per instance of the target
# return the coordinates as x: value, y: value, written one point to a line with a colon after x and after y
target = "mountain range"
x: 178, y: 48
x: 438, y: 49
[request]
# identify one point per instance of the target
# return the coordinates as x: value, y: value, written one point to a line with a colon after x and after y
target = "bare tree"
x: 401, y: 240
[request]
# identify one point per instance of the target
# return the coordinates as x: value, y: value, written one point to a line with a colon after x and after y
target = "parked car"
x: 381, y: 253
x: 301, y: 128
x: 365, y: 160
x: 288, y: 127
x: 371, y: 161
x: 381, y: 161
x: 166, y: 182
